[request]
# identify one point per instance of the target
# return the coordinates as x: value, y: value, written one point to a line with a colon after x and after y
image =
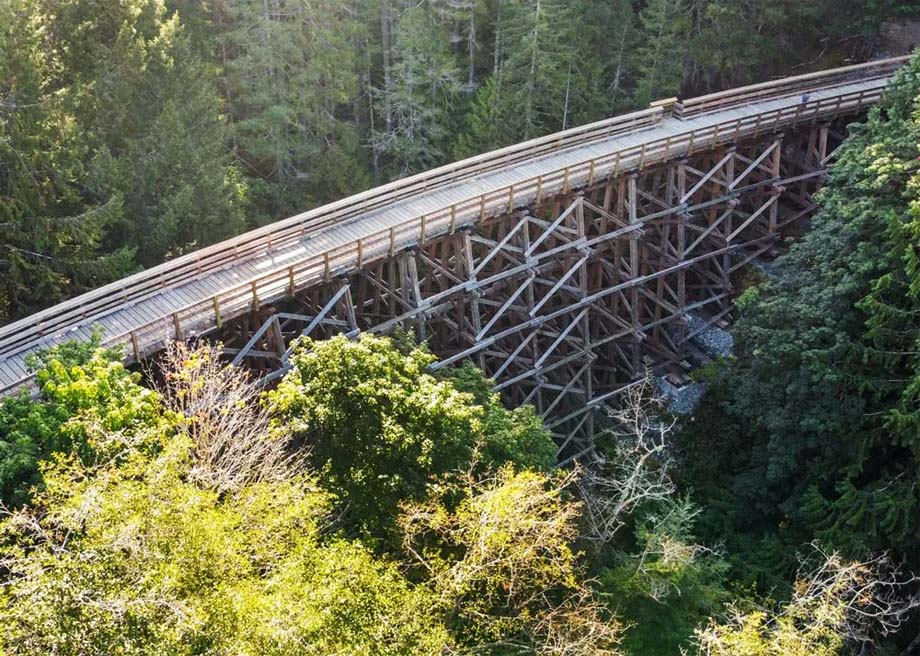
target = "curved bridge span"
x: 563, y: 266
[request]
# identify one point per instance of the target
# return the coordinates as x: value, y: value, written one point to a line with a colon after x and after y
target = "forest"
x: 368, y: 504
x: 138, y: 130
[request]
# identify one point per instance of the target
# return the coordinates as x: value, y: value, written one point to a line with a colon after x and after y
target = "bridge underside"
x: 570, y: 300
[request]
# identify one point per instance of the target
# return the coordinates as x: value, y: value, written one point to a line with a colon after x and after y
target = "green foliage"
x: 382, y: 428
x: 661, y: 69
x: 128, y: 548
x: 52, y: 229
x: 85, y: 394
x: 136, y: 559
x: 290, y: 70
x: 817, y: 418
x: 665, y: 585
x: 420, y: 89
x: 515, y: 435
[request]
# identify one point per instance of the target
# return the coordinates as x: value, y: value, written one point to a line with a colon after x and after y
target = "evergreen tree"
x: 290, y: 77
x: 664, y: 25
x: 822, y: 398
x: 149, y: 110
x: 52, y: 226
x: 421, y: 86
x: 541, y: 80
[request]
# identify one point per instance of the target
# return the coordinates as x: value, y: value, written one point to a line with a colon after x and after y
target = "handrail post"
x: 859, y: 101
x: 137, y: 350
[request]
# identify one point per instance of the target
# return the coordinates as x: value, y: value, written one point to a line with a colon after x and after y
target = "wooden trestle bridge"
x: 562, y: 266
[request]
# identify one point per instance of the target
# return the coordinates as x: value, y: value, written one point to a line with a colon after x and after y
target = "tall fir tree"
x: 421, y: 85
x: 290, y: 74
x: 52, y: 226
x: 660, y: 68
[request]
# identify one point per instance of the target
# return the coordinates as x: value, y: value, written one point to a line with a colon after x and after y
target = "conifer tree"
x: 51, y: 226
x: 422, y: 81
x: 290, y: 71
x: 661, y: 56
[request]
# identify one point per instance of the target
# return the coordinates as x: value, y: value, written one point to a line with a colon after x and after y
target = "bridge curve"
x: 203, y: 291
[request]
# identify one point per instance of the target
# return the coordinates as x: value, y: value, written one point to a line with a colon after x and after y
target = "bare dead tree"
x: 219, y: 408
x: 638, y: 471
x: 871, y: 593
x: 578, y: 627
x: 835, y: 602
x: 517, y: 577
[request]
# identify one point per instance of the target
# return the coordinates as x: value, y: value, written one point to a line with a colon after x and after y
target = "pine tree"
x: 539, y: 61
x: 660, y: 58
x: 51, y: 225
x: 150, y: 113
x: 541, y: 80
x: 290, y: 73
x: 421, y: 85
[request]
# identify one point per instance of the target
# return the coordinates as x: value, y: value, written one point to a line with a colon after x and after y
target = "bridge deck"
x: 195, y: 293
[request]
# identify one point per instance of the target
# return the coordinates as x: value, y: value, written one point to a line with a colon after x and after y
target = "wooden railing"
x: 799, y: 84
x: 206, y: 313
x: 139, y: 287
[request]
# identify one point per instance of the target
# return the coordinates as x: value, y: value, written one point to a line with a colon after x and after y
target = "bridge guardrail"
x: 145, y: 285
x: 140, y: 286
x: 278, y: 283
x: 785, y: 87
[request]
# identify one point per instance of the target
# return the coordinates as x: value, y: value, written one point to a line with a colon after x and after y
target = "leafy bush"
x: 382, y: 427
x: 137, y: 559
x: 85, y: 393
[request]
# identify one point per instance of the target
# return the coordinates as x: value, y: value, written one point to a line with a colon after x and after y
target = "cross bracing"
x: 563, y: 266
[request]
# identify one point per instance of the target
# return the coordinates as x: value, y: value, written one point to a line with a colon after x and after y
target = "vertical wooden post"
x: 416, y: 293
x: 275, y: 337
x: 776, y: 172
x: 727, y: 228
x: 634, y: 273
x: 137, y: 350
x: 475, y: 315
x: 682, y: 219
x: 349, y: 305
